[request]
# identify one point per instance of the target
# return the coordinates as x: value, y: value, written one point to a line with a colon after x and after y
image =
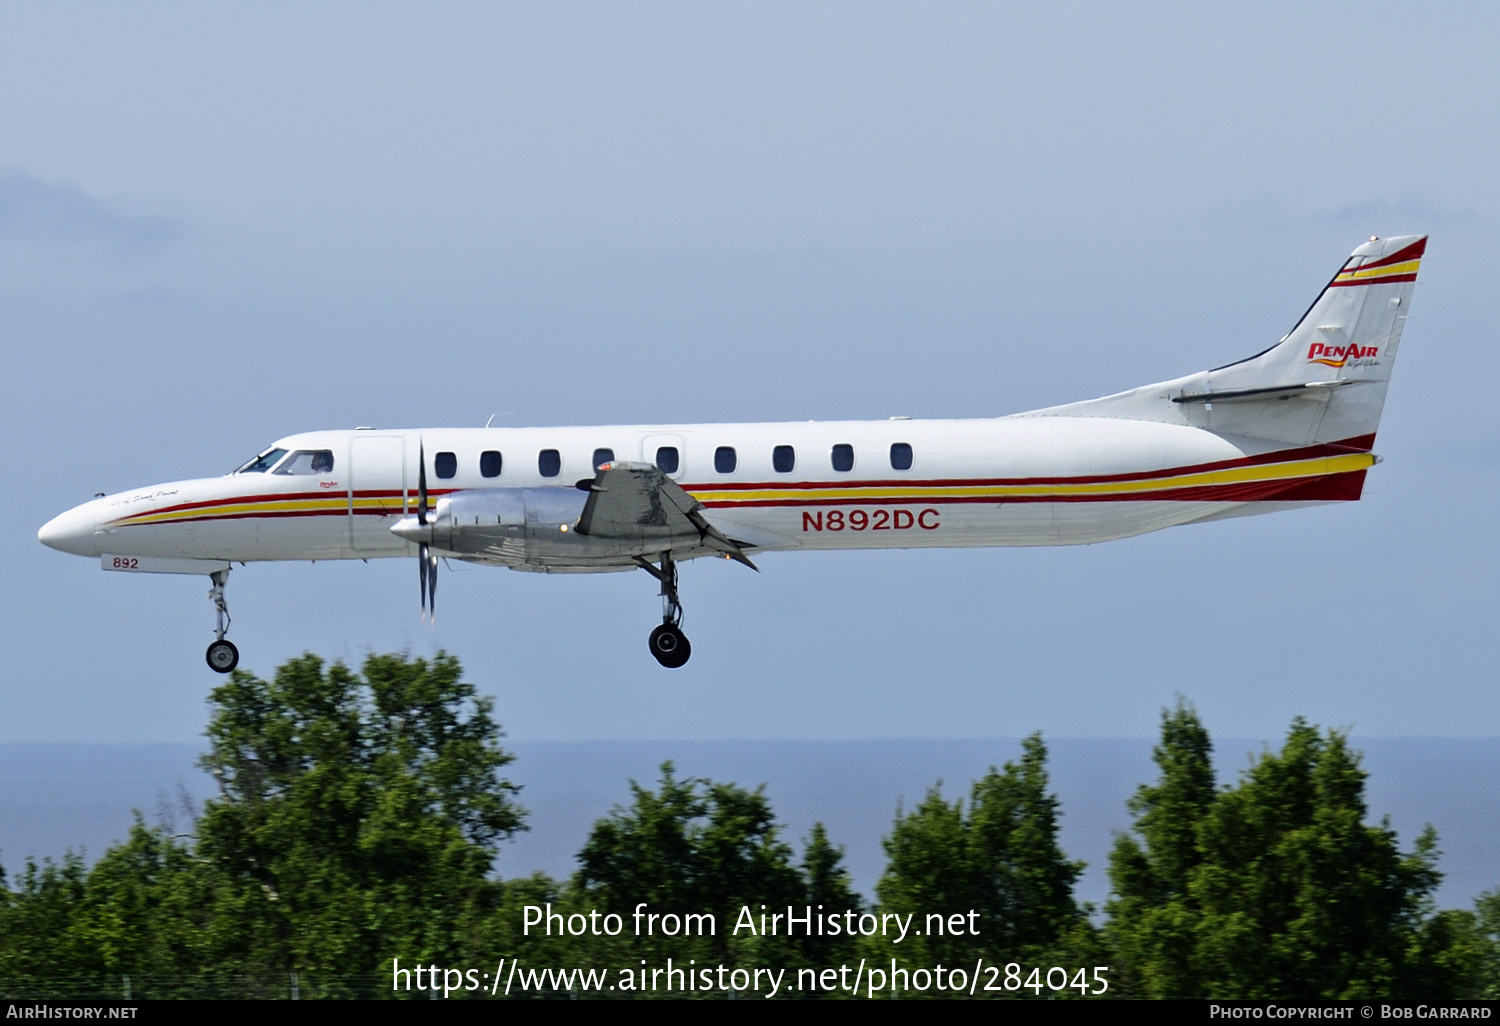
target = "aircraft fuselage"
x: 1026, y: 480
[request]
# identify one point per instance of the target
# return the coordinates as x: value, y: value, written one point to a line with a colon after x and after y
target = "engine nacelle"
x: 524, y: 528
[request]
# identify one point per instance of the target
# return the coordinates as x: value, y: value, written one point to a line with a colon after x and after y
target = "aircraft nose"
x: 72, y: 531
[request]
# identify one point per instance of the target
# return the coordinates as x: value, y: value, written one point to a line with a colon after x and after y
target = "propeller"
x: 426, y: 562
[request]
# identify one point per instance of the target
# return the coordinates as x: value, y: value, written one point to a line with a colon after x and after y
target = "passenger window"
x: 445, y: 464
x: 900, y: 456
x: 549, y: 462
x: 783, y: 459
x: 489, y: 463
x: 306, y: 462
x: 667, y: 459
x: 603, y: 456
x: 725, y: 460
x: 843, y: 458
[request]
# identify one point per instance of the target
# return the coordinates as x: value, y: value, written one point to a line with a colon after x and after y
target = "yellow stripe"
x: 1315, y: 467
x: 1410, y: 267
x: 333, y: 502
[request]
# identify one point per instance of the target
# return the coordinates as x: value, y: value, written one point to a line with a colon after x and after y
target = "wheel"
x: 223, y: 656
x: 670, y: 646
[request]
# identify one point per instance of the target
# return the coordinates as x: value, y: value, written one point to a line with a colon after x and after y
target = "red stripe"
x: 254, y: 516
x: 267, y: 516
x: 1328, y: 487
x: 1335, y: 487
x: 1401, y: 256
x: 282, y: 497
x: 1359, y: 443
x: 1387, y: 280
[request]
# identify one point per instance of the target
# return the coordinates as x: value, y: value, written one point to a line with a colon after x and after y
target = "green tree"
x: 693, y: 846
x: 42, y: 950
x: 1153, y: 915
x: 1276, y: 887
x: 357, y: 816
x: 1462, y: 950
x: 1486, y: 963
x: 1001, y: 859
x: 149, y: 913
x: 828, y: 891
x: 1300, y: 897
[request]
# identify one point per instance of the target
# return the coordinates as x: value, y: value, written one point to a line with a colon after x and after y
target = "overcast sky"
x: 223, y: 224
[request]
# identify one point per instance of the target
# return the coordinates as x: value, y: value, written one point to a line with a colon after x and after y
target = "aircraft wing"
x: 636, y: 501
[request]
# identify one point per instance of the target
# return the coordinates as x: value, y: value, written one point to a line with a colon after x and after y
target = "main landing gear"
x: 222, y: 655
x: 668, y: 644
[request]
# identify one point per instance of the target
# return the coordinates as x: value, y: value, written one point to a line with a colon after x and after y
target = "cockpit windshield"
x: 307, y: 461
x: 262, y: 463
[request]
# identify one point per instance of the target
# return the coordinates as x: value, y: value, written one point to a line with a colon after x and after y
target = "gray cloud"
x: 34, y: 211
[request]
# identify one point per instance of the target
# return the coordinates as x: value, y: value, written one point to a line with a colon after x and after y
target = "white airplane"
x: 1292, y: 426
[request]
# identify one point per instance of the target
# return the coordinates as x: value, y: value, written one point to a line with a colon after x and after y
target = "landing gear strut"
x: 222, y: 655
x: 668, y: 644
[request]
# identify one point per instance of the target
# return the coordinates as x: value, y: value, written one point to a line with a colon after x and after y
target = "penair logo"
x: 1352, y: 355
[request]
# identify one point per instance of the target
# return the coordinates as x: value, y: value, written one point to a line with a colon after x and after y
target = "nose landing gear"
x: 222, y: 656
x: 668, y: 644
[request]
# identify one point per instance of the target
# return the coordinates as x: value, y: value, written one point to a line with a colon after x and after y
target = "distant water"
x: 56, y: 796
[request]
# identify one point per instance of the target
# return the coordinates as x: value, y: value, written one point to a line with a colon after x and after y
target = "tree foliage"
x: 828, y: 889
x: 1275, y: 887
x: 1000, y: 858
x: 358, y: 816
x: 693, y: 845
x: 1153, y: 916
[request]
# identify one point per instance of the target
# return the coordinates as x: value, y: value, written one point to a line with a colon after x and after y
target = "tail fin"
x: 1325, y: 381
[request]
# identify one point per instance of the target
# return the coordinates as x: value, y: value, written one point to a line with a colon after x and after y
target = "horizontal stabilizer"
x: 1308, y: 390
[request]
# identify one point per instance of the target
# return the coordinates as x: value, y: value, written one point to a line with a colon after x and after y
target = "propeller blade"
x: 432, y: 576
x: 426, y: 561
x: 422, y: 485
x: 422, y: 576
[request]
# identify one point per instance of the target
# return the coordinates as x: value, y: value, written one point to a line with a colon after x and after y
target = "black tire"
x: 670, y: 646
x: 222, y: 656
